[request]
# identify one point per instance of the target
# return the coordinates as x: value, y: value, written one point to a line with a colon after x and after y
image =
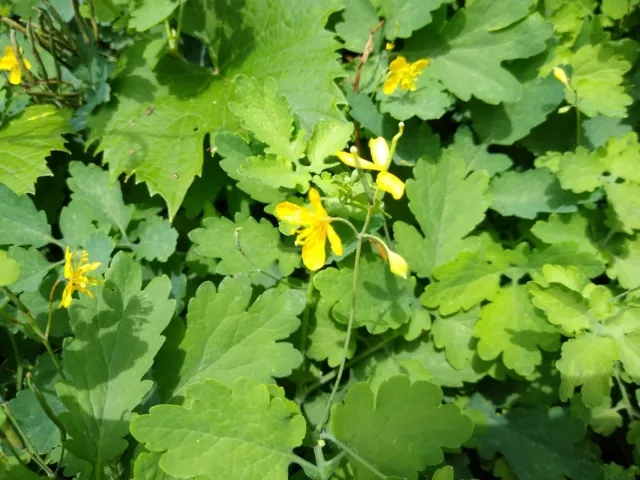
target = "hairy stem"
x: 352, y: 453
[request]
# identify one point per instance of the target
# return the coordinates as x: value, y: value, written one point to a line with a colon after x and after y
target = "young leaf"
x: 328, y: 137
x: 100, y: 199
x: 625, y: 261
x: 511, y: 326
x: 383, y: 428
x: 25, y: 143
x: 147, y: 468
x: 405, y: 16
x: 199, y: 440
x: 587, y: 360
x: 10, y: 270
x: 463, y: 283
x: 447, y: 205
x: 455, y: 334
x: 326, y: 336
x: 260, y: 242
x: 267, y: 115
x: 478, y: 39
x: 384, y: 300
x: 226, y: 338
x: 20, y: 222
x: 574, y: 227
x: 33, y: 268
x: 123, y: 323
x: 359, y: 18
x: 157, y: 239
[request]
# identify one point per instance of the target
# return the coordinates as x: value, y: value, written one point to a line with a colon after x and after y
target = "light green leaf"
x: 147, y: 468
x: 428, y: 102
x: 604, y: 420
x: 625, y: 261
x: 511, y: 326
x: 267, y: 115
x: 26, y: 141
x: 235, y: 152
x: 383, y: 428
x: 564, y: 307
x: 462, y: 284
x: 149, y: 13
x: 579, y: 171
x: 359, y: 18
x: 525, y: 194
x: 572, y: 227
x: 124, y: 324
x: 198, y: 440
x: 384, y: 300
x: 476, y: 156
x: 33, y: 267
x: 36, y: 425
x: 328, y: 137
x: 163, y: 145
x: 447, y: 205
x: 275, y: 172
x: 598, y: 74
x: 98, y: 196
x: 326, y: 336
x: 539, y: 443
x: 454, y: 334
x: 260, y: 242
x: 402, y: 17
x: 10, y: 270
x: 444, y: 473
x: 616, y: 472
x: 157, y: 240
x: 587, y: 360
x: 76, y: 226
x: 20, y: 222
x: 506, y: 123
x: 467, y: 53
x: 226, y: 338
x: 625, y: 200
x: 618, y: 9
x: 565, y: 254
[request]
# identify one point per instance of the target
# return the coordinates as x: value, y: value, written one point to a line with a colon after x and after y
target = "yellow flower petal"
x: 313, y: 251
x: 420, y: 65
x: 88, y: 268
x: 350, y: 160
x: 294, y: 214
x: 399, y: 64
x: 68, y: 265
x: 27, y: 63
x: 8, y: 61
x: 398, y: 265
x: 380, y: 152
x: 316, y: 204
x: 391, y: 84
x: 66, y: 296
x: 15, y: 76
x: 334, y: 241
x: 388, y: 182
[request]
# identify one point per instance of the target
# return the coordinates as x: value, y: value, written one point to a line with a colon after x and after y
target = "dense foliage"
x: 324, y: 239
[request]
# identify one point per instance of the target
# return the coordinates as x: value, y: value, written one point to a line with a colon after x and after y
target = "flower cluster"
x: 404, y: 75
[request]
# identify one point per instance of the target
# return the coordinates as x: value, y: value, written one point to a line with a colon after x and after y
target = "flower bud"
x: 398, y: 265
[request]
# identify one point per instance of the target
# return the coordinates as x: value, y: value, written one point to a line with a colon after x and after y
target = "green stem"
x: 34, y: 325
x: 179, y: 27
x: 53, y: 290
x: 29, y: 446
x: 354, y: 454
x: 632, y: 412
x: 304, y: 463
x: 304, y: 329
x: 358, y: 358
x: 352, y: 313
x: 16, y: 353
x: 578, y: 123
x: 12, y: 449
x: 52, y: 416
x: 346, y: 222
x: 80, y: 21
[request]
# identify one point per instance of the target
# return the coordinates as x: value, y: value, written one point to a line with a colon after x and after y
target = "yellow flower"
x: 561, y: 76
x: 74, y: 271
x: 10, y: 62
x: 389, y: 46
x: 398, y: 265
x: 381, y: 155
x: 404, y: 74
x: 313, y: 237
